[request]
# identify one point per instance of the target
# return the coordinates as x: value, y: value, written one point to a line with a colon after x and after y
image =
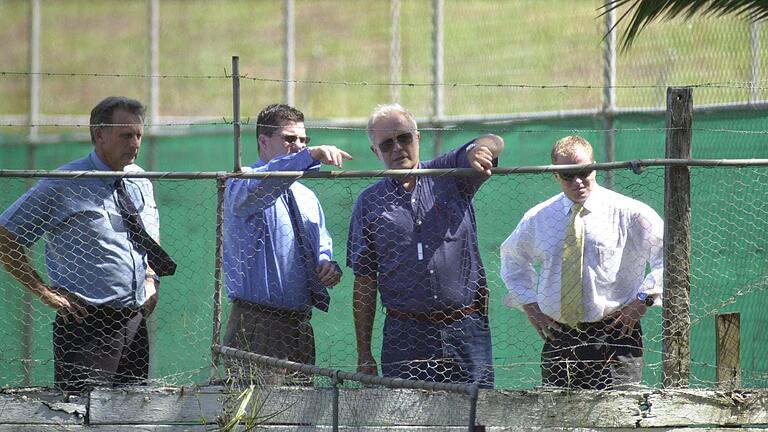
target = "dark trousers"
x: 458, y: 352
x: 109, y: 348
x: 286, y: 335
x: 589, y: 357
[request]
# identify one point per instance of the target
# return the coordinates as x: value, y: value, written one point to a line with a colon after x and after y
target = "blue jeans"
x: 459, y: 352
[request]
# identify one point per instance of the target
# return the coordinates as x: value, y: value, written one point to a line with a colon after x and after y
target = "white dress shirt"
x: 621, y: 236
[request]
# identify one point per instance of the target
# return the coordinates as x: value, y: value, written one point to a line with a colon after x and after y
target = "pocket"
x: 609, y: 262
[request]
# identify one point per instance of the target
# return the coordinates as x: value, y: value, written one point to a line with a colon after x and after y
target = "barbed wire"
x: 757, y: 85
x: 225, y: 122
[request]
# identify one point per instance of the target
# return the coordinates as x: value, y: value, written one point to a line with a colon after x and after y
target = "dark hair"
x: 275, y: 116
x: 101, y: 114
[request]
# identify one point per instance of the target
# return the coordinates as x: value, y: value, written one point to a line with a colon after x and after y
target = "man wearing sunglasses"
x: 277, y: 251
x: 413, y: 240
x: 591, y: 246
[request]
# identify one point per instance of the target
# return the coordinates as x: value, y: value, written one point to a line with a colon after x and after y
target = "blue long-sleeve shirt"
x: 88, y: 250
x: 262, y: 262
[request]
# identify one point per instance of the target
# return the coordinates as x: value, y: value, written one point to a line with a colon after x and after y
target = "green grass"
x: 486, y: 42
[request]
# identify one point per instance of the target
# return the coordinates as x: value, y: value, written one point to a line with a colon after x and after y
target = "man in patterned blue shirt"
x: 99, y: 281
x: 414, y: 241
x: 274, y: 275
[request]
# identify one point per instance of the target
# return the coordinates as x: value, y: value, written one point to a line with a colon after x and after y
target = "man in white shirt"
x: 588, y: 314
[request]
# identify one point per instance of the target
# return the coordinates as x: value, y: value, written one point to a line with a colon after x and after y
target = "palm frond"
x: 644, y: 12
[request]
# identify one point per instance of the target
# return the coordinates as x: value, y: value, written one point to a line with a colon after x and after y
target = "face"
x: 576, y: 186
x: 291, y: 138
x: 395, y: 142
x: 118, y: 146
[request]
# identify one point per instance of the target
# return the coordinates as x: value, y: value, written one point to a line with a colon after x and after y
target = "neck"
x: 408, y: 183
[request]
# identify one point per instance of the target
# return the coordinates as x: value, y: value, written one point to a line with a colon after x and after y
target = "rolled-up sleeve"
x: 517, y: 266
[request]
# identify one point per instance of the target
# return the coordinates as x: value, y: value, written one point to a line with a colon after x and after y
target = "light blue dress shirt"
x: 87, y: 248
x: 262, y: 262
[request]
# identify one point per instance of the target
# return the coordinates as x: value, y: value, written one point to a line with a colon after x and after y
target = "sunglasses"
x: 568, y: 176
x: 403, y: 139
x: 290, y: 139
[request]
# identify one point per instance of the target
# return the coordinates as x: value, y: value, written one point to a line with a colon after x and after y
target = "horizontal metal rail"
x: 635, y: 165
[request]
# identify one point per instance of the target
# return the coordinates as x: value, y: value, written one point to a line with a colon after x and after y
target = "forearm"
x: 16, y: 262
x: 364, y: 312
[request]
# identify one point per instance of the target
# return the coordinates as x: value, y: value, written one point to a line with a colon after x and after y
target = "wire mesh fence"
x: 728, y: 274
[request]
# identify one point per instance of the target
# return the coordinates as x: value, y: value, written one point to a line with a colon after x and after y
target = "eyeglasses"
x: 568, y: 176
x: 403, y: 139
x: 290, y: 139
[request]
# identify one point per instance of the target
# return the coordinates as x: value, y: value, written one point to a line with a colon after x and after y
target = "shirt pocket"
x: 609, y: 261
x: 452, y: 218
x: 394, y: 241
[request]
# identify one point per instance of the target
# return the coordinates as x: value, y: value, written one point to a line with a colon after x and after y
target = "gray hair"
x: 386, y: 110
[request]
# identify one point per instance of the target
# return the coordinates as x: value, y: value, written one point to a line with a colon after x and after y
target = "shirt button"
x: 434, y: 297
x: 418, y: 222
x: 431, y: 272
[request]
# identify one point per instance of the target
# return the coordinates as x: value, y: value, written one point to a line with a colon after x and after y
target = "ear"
x: 378, y: 155
x: 261, y: 141
x: 98, y: 134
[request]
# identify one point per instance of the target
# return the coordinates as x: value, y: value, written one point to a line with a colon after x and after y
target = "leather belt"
x: 439, y: 317
x: 285, y: 313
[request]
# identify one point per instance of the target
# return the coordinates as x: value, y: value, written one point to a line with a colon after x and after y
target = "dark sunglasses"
x: 290, y: 139
x: 403, y: 139
x: 568, y: 176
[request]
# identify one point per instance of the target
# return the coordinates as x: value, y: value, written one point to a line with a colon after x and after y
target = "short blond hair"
x: 567, y: 147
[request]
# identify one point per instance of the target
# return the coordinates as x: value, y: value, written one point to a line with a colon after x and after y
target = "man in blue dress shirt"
x: 269, y: 280
x: 99, y: 282
x: 414, y: 241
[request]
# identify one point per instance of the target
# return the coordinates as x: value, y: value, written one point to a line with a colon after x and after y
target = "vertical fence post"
x: 474, y: 389
x: 218, y: 258
x: 609, y: 92
x: 27, y: 308
x: 754, y: 43
x: 289, y: 40
x: 236, y: 112
x: 438, y: 89
x: 394, y: 52
x: 335, y: 381
x: 677, y: 240
x: 727, y: 328
x: 153, y: 24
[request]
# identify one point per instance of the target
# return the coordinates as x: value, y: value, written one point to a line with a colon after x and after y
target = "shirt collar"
x: 593, y: 202
x: 98, y: 163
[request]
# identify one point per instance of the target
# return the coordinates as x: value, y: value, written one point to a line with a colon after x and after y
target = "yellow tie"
x: 571, y: 285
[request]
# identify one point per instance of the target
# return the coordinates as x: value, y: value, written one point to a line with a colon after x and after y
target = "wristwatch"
x: 645, y: 298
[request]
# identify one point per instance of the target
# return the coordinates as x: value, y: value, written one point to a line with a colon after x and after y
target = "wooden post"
x: 727, y: 329
x: 677, y: 241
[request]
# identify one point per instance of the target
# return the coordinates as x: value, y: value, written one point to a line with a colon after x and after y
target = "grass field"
x: 497, y: 54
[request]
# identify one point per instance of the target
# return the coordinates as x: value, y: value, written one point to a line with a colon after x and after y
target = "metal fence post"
x: 217, y: 277
x: 289, y: 39
x: 335, y: 381
x: 438, y: 74
x: 609, y: 92
x: 394, y: 52
x: 236, y: 112
x: 677, y: 241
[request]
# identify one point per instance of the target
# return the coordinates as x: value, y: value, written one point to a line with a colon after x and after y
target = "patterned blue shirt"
x: 87, y: 248
x: 421, y: 246
x: 262, y: 263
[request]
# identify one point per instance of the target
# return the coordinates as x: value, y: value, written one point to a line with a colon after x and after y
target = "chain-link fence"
x: 728, y: 243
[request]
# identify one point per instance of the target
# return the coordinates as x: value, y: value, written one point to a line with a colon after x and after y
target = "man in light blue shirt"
x: 100, y: 283
x: 275, y: 277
